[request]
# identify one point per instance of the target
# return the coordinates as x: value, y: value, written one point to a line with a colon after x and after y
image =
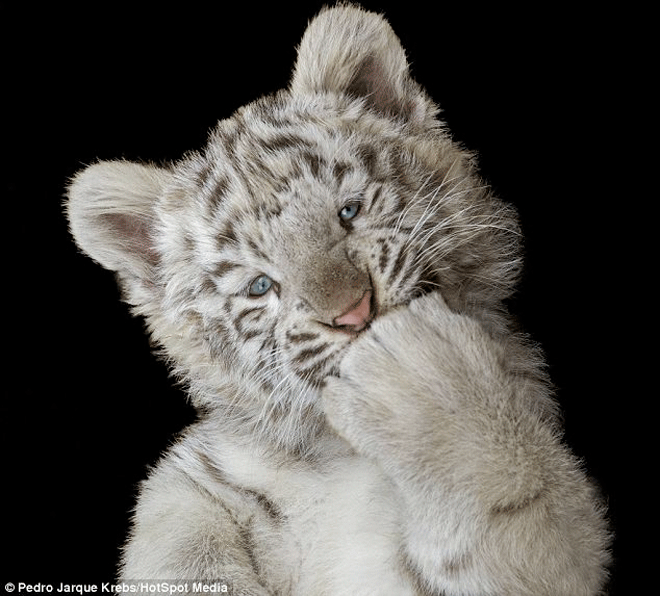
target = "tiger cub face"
x: 303, y: 235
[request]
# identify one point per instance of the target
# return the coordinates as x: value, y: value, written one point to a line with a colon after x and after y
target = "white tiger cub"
x: 327, y: 277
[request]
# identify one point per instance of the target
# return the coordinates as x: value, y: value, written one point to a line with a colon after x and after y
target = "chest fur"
x: 328, y: 530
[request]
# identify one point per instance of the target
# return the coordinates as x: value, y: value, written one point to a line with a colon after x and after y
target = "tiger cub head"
x: 257, y: 260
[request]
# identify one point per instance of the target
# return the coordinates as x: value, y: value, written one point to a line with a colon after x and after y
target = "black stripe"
x: 317, y: 371
x: 384, y: 259
x: 340, y: 169
x: 223, y: 267
x: 218, y: 475
x: 369, y: 159
x: 376, y: 199
x: 398, y: 265
x: 227, y: 234
x: 238, y: 321
x: 315, y: 163
x: 301, y: 337
x: 285, y: 142
x: 310, y: 353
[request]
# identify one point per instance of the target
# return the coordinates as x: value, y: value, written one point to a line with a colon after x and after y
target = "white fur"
x: 419, y: 457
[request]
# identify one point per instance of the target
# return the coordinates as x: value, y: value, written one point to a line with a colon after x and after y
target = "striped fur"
x: 307, y: 243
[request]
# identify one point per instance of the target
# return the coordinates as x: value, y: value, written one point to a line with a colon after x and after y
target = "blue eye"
x: 349, y: 211
x: 260, y: 285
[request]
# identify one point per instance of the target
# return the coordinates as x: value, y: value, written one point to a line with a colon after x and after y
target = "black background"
x: 535, y: 90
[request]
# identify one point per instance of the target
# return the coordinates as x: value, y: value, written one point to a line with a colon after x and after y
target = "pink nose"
x: 358, y: 315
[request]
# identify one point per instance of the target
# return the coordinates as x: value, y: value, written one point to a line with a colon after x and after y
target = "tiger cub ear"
x: 350, y: 51
x: 110, y: 207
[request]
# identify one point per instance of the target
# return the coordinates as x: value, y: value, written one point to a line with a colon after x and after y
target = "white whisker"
x: 413, y: 202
